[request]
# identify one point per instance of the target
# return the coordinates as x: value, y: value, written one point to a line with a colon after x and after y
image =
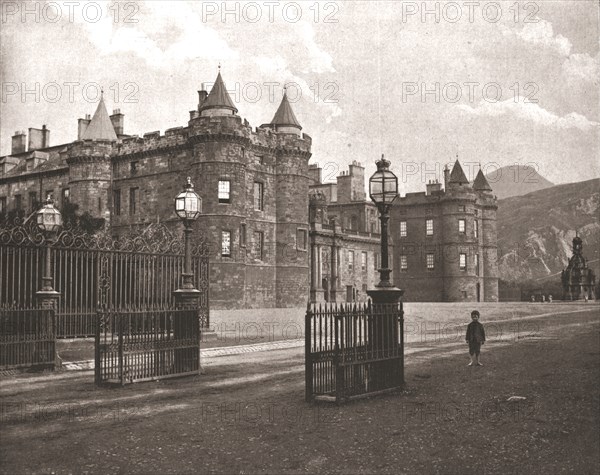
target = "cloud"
x: 320, y: 61
x: 583, y: 67
x: 176, y: 26
x: 530, y: 112
x: 540, y: 33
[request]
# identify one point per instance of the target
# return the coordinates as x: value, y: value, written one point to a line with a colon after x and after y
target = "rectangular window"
x: 462, y: 261
x: 133, y: 168
x: 429, y: 227
x: 116, y: 202
x: 258, y: 196
x: 225, y: 243
x: 461, y: 226
x: 259, y: 244
x: 66, y: 193
x: 133, y: 198
x: 402, y: 228
x: 224, y: 191
x: 260, y: 159
x: 461, y: 208
x: 403, y: 263
x: 301, y: 239
x: 376, y: 260
x: 243, y: 234
x: 2, y: 204
x: 430, y: 261
x: 350, y: 261
x: 363, y: 261
x: 18, y: 202
x: 475, y: 228
x: 33, y: 202
x: 476, y: 264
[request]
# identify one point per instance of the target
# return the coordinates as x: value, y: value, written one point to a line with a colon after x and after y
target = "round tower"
x: 460, y: 243
x: 487, y: 207
x: 220, y: 143
x: 293, y: 152
x: 90, y: 166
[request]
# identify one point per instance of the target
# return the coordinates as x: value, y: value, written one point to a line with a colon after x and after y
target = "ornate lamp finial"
x: 383, y: 164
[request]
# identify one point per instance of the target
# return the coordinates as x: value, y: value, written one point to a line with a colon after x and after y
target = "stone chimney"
x: 38, y: 138
x: 202, y: 95
x: 118, y: 121
x: 433, y: 187
x: 19, y: 142
x: 82, y: 125
x: 315, y: 173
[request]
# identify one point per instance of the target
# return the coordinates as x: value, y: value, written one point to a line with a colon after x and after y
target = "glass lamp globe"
x: 48, y: 218
x: 383, y: 184
x: 188, y: 205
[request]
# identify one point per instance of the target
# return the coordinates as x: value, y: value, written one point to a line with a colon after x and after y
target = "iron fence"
x: 146, y: 344
x: 27, y: 338
x: 353, y: 350
x: 97, y: 271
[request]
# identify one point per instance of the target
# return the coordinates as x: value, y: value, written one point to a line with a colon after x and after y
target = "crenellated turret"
x: 89, y: 163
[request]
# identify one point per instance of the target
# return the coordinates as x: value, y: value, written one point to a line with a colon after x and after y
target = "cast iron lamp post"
x: 49, y: 220
x: 383, y: 190
x: 188, y: 206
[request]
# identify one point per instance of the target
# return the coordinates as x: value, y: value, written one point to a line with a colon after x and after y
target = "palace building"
x: 278, y: 235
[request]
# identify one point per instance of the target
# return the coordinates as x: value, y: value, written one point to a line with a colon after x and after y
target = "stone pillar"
x: 313, y: 270
x: 334, y: 273
x: 186, y: 299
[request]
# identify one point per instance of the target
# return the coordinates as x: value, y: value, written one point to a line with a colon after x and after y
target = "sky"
x: 494, y: 83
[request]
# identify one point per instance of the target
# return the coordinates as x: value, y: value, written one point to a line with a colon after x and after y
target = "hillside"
x: 535, y: 230
x: 516, y: 180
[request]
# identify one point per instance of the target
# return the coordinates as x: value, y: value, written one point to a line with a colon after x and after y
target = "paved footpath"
x: 299, y: 342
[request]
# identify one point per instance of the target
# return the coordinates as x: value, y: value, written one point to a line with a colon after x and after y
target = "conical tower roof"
x: 219, y: 97
x: 285, y: 117
x: 458, y: 175
x: 481, y: 183
x: 100, y: 127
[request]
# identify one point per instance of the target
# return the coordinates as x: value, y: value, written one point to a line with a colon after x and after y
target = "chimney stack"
x: 19, y: 142
x: 202, y: 95
x: 82, y: 125
x: 39, y: 138
x: 118, y: 121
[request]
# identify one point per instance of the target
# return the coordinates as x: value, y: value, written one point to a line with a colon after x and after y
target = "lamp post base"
x: 383, y: 295
x: 48, y: 299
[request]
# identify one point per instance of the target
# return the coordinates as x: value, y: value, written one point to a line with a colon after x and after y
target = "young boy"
x: 475, y: 338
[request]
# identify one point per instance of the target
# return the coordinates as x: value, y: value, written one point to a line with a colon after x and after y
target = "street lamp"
x: 49, y: 220
x: 383, y: 190
x: 188, y: 206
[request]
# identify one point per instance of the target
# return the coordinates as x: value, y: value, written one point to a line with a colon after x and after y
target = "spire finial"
x: 219, y: 66
x: 189, y: 184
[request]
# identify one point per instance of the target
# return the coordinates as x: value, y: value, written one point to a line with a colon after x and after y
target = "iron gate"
x: 144, y: 345
x: 353, y: 350
x: 97, y: 271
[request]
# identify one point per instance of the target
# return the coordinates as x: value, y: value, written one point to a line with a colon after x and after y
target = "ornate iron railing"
x: 94, y: 271
x: 27, y: 338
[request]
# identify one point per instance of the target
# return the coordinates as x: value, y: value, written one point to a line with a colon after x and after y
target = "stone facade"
x: 132, y: 182
x: 446, y: 241
x: 254, y: 184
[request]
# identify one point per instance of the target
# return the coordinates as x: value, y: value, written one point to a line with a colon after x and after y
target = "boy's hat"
x: 475, y: 312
